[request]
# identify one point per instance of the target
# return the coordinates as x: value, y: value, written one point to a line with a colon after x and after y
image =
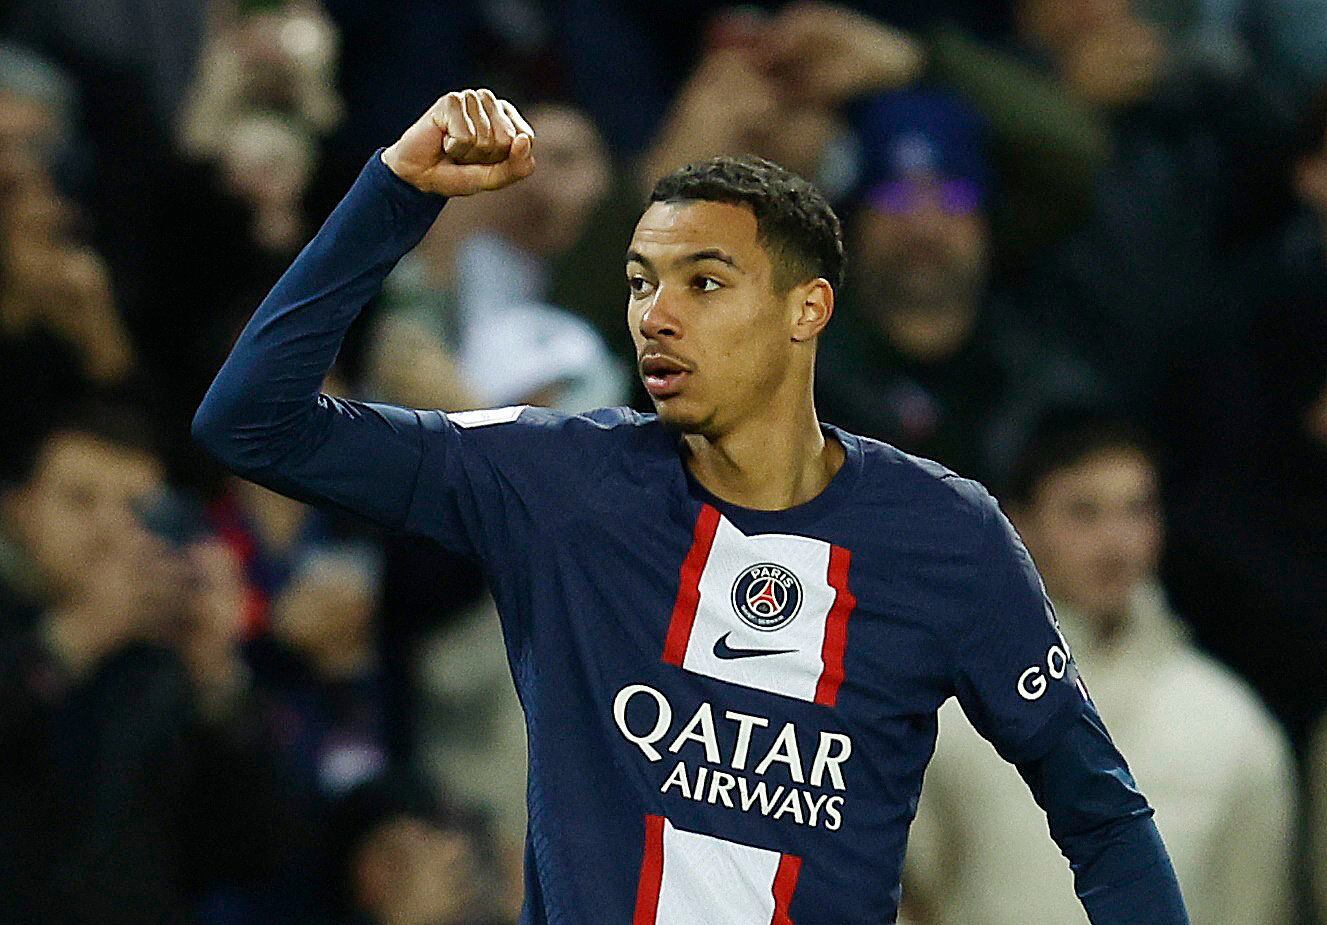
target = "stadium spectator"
x: 1214, y: 764
x: 652, y: 49
x: 158, y: 41
x: 400, y: 856
x: 1136, y: 288
x: 1251, y: 562
x: 467, y: 321
x: 277, y: 58
x: 135, y: 784
x: 60, y: 333
x: 471, y: 729
x: 789, y: 87
x: 924, y: 353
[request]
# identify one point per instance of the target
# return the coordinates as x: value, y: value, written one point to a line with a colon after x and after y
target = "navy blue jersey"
x: 729, y: 710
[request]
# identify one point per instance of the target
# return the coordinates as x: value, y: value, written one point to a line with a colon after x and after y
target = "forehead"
x: 674, y: 229
x: 1109, y: 473
x: 81, y: 458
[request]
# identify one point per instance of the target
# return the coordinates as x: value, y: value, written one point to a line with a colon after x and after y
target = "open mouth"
x: 663, y: 376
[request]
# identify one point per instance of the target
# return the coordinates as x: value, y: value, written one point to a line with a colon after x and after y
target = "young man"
x: 1084, y: 496
x: 730, y: 625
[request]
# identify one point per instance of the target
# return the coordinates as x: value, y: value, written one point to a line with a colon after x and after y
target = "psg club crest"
x: 767, y: 596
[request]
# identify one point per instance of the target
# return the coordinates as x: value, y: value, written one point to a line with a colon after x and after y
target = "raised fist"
x: 468, y: 142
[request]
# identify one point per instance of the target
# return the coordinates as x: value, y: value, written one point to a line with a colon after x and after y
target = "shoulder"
x: 552, y: 436
x: 1230, y: 712
x: 927, y: 490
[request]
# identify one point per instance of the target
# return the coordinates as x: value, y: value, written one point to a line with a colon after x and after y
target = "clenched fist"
x: 468, y: 142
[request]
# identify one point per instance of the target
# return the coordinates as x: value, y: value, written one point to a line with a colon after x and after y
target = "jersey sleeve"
x: 1013, y: 672
x: 466, y: 480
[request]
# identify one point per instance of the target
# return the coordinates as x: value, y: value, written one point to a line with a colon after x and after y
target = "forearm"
x: 1103, y: 825
x: 264, y: 418
x: 266, y: 395
x: 1050, y: 146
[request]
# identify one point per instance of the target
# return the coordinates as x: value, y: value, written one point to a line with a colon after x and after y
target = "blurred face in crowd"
x: 267, y: 162
x: 716, y: 337
x: 409, y: 870
x: 547, y: 211
x: 1095, y: 531
x: 80, y: 505
x: 920, y: 244
x: 327, y: 610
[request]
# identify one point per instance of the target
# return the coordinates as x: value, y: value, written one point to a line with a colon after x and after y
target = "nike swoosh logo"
x: 725, y: 651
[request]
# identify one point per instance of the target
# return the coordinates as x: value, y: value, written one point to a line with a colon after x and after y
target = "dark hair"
x: 393, y: 794
x: 107, y: 418
x: 1063, y: 438
x: 796, y: 225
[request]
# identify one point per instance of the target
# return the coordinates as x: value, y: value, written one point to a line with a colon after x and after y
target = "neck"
x: 929, y: 333
x: 770, y: 463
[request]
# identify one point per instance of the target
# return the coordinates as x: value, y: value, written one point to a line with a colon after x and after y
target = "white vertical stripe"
x: 709, y: 881
x: 794, y: 674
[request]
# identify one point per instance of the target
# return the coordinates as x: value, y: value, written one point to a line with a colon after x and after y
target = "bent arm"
x: 1103, y: 825
x: 264, y: 416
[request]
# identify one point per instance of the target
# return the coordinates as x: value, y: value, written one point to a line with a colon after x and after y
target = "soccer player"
x: 730, y: 625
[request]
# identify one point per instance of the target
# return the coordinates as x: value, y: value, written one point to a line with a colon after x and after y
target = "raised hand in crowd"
x: 53, y: 281
x: 829, y: 54
x: 722, y: 107
x: 279, y: 61
x: 1116, y: 66
x: 205, y: 637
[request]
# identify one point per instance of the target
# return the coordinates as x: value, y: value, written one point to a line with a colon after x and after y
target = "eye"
x: 707, y: 283
x: 640, y: 286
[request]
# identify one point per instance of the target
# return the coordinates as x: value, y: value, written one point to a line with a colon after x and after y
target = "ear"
x: 814, y: 303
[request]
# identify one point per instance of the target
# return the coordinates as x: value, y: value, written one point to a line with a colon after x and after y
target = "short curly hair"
x: 795, y: 223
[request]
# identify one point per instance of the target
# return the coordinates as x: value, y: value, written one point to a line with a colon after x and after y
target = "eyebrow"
x: 712, y: 253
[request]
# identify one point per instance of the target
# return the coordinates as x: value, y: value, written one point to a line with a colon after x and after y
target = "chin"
x: 676, y: 413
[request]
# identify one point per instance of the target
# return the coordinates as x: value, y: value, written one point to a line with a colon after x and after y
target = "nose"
x: 658, y: 322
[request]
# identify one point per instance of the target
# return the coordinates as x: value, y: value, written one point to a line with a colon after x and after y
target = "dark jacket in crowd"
x: 118, y: 804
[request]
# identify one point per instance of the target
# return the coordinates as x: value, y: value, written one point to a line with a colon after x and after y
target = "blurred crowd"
x: 1087, y: 266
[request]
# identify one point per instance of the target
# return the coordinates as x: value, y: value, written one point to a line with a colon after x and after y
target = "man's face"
x: 81, y: 503
x: 409, y: 870
x: 713, y: 338
x: 1095, y: 531
x: 924, y: 244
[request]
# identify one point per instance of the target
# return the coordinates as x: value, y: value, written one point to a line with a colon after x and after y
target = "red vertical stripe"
x: 651, y: 873
x: 836, y: 628
x: 688, y: 590
x: 785, y: 884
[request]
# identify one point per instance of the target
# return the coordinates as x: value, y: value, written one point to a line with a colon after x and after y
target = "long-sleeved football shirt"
x: 729, y: 710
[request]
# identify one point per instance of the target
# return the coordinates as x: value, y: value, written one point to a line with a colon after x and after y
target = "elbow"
x: 217, y: 429
x: 210, y: 431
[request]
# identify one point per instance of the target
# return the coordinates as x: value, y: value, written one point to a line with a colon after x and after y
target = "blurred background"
x: 1088, y: 266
